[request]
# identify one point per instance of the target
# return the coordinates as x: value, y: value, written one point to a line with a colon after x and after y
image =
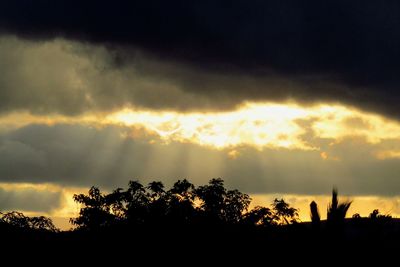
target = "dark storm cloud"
x: 287, y: 35
x: 215, y: 54
x: 29, y: 199
x: 75, y: 155
x: 353, y: 44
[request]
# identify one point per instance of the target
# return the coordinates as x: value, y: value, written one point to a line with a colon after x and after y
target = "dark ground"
x: 356, y: 240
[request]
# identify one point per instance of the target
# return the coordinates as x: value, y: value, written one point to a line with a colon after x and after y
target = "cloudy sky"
x: 278, y: 98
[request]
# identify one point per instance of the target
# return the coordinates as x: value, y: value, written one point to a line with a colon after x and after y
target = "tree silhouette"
x: 156, y: 190
x: 259, y: 216
x: 158, y: 206
x: 184, y: 215
x: 221, y: 204
x: 235, y: 203
x: 315, y: 217
x: 136, y: 203
x: 16, y: 219
x: 116, y: 204
x: 95, y: 212
x: 284, y: 214
x: 208, y: 209
x: 42, y: 223
x: 181, y: 202
x: 212, y: 197
x: 19, y: 220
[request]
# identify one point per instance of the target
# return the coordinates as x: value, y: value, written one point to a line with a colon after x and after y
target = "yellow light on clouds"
x: 259, y: 125
x: 262, y: 125
x: 388, y: 154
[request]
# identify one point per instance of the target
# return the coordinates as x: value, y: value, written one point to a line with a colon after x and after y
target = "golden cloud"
x: 262, y: 125
x: 257, y: 125
x: 388, y: 154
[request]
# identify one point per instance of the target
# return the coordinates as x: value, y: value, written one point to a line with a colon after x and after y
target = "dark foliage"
x: 284, y: 213
x: 182, y: 204
x: 186, y: 220
x: 19, y: 220
x: 259, y: 216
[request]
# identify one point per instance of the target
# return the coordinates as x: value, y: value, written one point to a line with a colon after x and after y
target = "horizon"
x: 362, y: 205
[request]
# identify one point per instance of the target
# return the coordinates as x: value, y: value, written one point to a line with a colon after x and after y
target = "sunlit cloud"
x: 233, y: 154
x: 263, y: 125
x: 29, y: 186
x: 338, y: 122
x: 258, y: 125
x: 325, y: 156
x: 388, y: 154
x: 17, y: 120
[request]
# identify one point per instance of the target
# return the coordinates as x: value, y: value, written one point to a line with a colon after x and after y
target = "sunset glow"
x: 262, y: 125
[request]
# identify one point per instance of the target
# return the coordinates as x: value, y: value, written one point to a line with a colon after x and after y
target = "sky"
x: 279, y: 98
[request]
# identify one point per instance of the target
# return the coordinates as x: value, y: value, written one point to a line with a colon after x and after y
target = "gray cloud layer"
x: 29, y: 200
x: 72, y: 78
x: 76, y: 155
x: 214, y: 53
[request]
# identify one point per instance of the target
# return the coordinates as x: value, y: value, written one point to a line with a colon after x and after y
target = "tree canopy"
x: 183, y: 203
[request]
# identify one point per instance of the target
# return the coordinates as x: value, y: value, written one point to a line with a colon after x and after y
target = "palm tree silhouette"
x: 336, y: 213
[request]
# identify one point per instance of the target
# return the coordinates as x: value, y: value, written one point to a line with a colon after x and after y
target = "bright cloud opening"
x: 262, y: 125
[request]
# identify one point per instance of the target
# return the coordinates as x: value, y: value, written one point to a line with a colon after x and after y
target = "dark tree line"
x: 18, y: 220
x: 182, y: 204
x: 186, y: 205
